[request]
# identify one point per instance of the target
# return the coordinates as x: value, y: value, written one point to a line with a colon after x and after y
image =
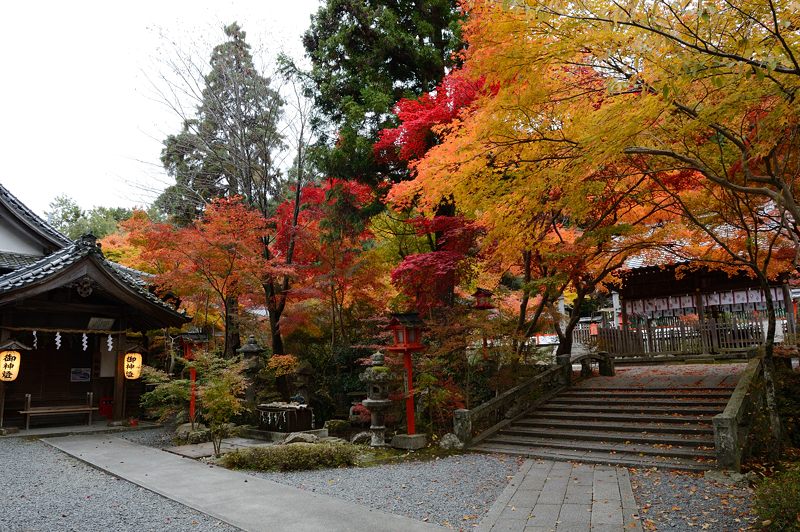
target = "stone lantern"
x: 250, y: 352
x: 377, y: 378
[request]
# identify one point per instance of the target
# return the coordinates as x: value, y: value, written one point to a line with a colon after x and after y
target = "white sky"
x: 79, y: 115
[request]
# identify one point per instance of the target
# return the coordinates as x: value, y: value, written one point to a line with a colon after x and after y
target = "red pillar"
x: 410, y: 397
x: 192, y: 399
x: 187, y: 354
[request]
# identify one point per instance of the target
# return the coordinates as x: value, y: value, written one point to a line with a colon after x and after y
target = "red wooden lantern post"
x: 188, y: 342
x: 407, y: 329
x: 483, y: 301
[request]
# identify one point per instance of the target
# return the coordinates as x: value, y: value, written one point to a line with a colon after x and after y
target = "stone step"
x: 631, y: 426
x: 642, y: 409
x: 610, y: 458
x: 635, y: 401
x: 628, y: 393
x: 578, y: 445
x: 608, y: 436
x: 654, y: 389
x: 545, y: 413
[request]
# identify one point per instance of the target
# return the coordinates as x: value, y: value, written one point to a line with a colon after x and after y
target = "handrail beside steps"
x: 475, y: 425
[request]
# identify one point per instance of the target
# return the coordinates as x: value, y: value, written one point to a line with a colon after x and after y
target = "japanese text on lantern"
x: 9, y: 365
x: 133, y: 366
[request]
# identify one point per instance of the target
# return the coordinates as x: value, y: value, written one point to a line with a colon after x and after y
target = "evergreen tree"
x: 229, y: 146
x: 366, y: 56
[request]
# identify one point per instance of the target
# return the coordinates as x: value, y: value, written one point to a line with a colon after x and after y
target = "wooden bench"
x: 56, y: 410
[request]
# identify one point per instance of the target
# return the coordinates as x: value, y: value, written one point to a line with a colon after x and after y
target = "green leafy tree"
x: 67, y: 216
x: 366, y: 56
x: 221, y: 393
x: 221, y: 387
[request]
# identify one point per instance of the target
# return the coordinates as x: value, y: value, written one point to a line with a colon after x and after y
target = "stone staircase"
x: 638, y: 427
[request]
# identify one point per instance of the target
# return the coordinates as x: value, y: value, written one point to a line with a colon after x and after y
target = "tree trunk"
x: 526, y: 291
x: 232, y: 336
x: 275, y: 333
x: 769, y: 374
x: 565, y: 336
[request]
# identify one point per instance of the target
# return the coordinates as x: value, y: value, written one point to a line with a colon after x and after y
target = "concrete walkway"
x: 98, y: 427
x: 550, y: 496
x: 241, y: 500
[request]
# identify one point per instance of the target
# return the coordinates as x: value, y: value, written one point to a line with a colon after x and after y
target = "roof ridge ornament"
x: 89, y: 241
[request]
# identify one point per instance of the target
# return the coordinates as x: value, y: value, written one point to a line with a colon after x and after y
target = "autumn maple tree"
x: 329, y: 256
x: 217, y: 257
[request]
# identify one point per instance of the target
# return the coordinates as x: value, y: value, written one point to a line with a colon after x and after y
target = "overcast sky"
x: 79, y: 112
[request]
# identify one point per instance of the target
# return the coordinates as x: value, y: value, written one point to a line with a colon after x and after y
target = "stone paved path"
x: 548, y: 496
x: 671, y: 376
x: 241, y: 500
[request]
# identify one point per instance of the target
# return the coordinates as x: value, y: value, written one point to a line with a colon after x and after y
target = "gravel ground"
x: 159, y: 438
x: 42, y: 489
x: 455, y: 491
x: 682, y: 501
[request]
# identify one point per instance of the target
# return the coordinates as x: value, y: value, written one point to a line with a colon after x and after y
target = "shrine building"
x: 73, y: 316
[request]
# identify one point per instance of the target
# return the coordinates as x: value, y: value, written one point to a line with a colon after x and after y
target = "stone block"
x: 410, y: 442
x: 576, y: 513
x: 544, y: 515
x: 300, y: 437
x: 450, y: 441
x: 8, y: 430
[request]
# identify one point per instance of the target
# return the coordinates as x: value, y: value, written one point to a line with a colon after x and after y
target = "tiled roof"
x: 653, y: 257
x: 54, y: 263
x: 29, y: 218
x: 12, y: 261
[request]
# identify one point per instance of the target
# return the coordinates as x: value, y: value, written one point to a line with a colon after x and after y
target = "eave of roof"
x: 52, y: 265
x: 31, y: 220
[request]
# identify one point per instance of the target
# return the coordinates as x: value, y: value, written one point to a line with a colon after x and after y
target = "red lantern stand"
x: 407, y: 330
x: 483, y: 301
x: 188, y: 342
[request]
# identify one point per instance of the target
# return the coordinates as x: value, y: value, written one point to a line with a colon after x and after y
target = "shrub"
x: 778, y: 500
x: 292, y: 457
x: 337, y: 427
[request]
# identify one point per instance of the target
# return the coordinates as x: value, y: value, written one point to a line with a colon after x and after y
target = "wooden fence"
x: 735, y: 336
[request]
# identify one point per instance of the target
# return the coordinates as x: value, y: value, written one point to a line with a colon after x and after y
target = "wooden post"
x: 650, y: 339
x: 2, y: 402
x: 119, y: 380
x: 700, y: 306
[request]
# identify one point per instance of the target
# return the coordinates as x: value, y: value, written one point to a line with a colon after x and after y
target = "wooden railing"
x: 473, y: 426
x: 733, y: 425
x: 712, y: 337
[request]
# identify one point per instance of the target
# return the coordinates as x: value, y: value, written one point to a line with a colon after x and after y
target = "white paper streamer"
x: 85, y: 341
x: 35, y: 341
x: 110, y: 342
x: 58, y: 340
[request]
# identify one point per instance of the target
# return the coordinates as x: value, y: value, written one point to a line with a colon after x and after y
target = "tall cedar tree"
x: 366, y: 56
x: 228, y: 148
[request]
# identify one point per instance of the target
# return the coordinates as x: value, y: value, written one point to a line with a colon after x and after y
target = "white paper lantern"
x: 9, y: 365
x: 133, y: 366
